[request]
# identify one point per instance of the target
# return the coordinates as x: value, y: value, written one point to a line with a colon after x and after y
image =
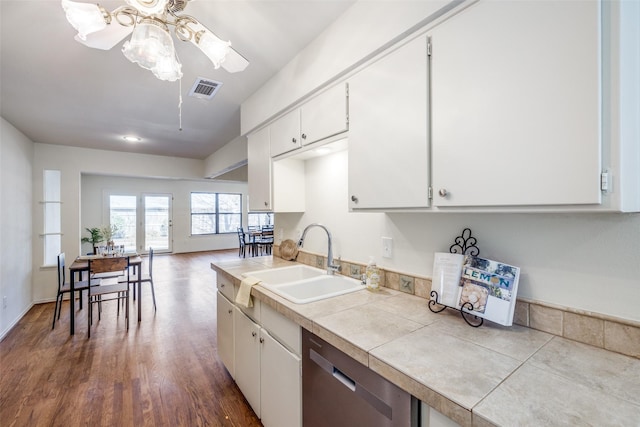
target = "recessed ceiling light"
x: 130, y: 138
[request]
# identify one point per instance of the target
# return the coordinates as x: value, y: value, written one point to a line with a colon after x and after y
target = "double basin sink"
x: 302, y: 284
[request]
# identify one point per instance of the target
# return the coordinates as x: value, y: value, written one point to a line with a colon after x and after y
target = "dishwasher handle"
x: 344, y: 379
x: 329, y: 368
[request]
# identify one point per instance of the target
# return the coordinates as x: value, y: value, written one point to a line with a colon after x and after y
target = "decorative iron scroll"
x: 465, y: 245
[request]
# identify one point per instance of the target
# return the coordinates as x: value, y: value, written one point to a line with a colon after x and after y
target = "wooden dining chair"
x: 145, y: 278
x: 265, y: 241
x: 244, y: 243
x: 65, y: 288
x: 116, y: 290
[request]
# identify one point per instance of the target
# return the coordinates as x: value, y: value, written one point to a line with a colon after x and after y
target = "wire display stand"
x: 464, y: 244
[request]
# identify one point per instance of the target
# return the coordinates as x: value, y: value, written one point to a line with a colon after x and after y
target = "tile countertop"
x: 492, y: 375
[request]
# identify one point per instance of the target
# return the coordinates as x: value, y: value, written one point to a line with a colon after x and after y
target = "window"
x: 52, y: 229
x: 259, y: 219
x: 215, y: 213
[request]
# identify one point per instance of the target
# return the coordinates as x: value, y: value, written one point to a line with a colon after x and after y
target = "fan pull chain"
x: 180, y: 103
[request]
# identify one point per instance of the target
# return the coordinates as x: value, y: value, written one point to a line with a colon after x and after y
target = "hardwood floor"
x: 163, y: 372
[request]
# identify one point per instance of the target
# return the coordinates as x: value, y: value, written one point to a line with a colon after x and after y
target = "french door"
x: 141, y: 221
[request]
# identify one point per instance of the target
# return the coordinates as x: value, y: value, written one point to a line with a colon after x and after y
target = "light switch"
x: 387, y: 247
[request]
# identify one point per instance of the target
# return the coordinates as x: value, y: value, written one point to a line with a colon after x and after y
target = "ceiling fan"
x: 151, y: 45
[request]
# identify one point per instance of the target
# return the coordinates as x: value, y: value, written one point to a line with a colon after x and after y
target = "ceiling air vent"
x: 204, y: 88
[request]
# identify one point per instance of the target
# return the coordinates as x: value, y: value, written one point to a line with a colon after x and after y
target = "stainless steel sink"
x: 302, y: 284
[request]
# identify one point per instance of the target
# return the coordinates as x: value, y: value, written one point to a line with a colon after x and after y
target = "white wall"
x: 358, y: 34
x: 230, y: 157
x: 94, y: 212
x: 16, y: 228
x: 585, y: 261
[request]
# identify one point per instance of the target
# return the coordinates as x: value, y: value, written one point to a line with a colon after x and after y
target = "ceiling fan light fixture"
x: 151, y: 44
x: 168, y: 68
x: 149, y: 7
x: 151, y: 47
x: 212, y: 46
x: 86, y: 18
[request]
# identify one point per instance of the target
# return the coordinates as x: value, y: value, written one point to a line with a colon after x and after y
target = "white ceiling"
x: 57, y: 91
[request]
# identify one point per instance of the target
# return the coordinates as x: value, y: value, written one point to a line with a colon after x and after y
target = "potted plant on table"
x: 95, y: 237
x: 107, y: 233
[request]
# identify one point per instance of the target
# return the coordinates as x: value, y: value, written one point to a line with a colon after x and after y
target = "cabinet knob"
x: 354, y: 199
x: 222, y: 285
x: 261, y: 340
x: 253, y: 334
x: 230, y: 311
x: 266, y: 204
x: 443, y: 192
x: 304, y: 136
x: 294, y: 140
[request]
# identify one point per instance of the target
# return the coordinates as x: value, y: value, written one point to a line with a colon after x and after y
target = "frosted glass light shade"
x: 215, y: 49
x: 149, y: 42
x: 151, y: 47
x: 86, y: 18
x: 168, y: 68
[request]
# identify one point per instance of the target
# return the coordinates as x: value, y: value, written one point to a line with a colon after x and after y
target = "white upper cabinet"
x: 275, y: 186
x: 325, y: 115
x: 321, y: 117
x: 388, y: 125
x: 285, y: 133
x: 259, y: 171
x: 516, y: 105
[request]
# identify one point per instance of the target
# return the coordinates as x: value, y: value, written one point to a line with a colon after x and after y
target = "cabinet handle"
x: 443, y: 192
x: 294, y: 140
x: 304, y: 136
x: 253, y: 334
x: 230, y: 311
x: 354, y: 199
x: 261, y: 340
x: 266, y: 204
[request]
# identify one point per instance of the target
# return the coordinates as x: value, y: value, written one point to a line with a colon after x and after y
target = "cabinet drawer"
x: 254, y: 313
x: 284, y: 330
x: 226, y: 287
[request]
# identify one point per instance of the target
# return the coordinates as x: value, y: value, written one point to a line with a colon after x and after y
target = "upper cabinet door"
x: 285, y: 133
x: 388, y: 123
x: 515, y: 105
x: 259, y: 171
x: 325, y: 115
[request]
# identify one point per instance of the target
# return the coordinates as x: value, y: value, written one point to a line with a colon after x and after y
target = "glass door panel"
x: 157, y: 222
x: 122, y: 214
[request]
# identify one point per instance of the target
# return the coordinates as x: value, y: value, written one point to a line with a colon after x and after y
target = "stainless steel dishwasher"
x: 339, y: 391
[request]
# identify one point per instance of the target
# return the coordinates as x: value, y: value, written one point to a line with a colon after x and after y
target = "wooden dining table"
x: 80, y: 265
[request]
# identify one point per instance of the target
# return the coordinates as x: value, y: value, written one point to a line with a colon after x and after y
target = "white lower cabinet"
x: 266, y: 365
x: 224, y: 326
x: 247, y: 358
x: 280, y: 384
x: 429, y: 417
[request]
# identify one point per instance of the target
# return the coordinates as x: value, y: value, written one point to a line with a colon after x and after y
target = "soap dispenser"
x: 373, y: 275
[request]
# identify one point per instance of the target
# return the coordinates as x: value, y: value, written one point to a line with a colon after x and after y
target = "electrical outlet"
x: 387, y: 247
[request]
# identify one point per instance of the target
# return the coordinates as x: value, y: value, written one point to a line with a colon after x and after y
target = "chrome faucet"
x: 331, y: 268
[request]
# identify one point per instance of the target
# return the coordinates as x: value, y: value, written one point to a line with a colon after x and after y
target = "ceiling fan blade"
x: 105, y: 39
x: 234, y: 62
